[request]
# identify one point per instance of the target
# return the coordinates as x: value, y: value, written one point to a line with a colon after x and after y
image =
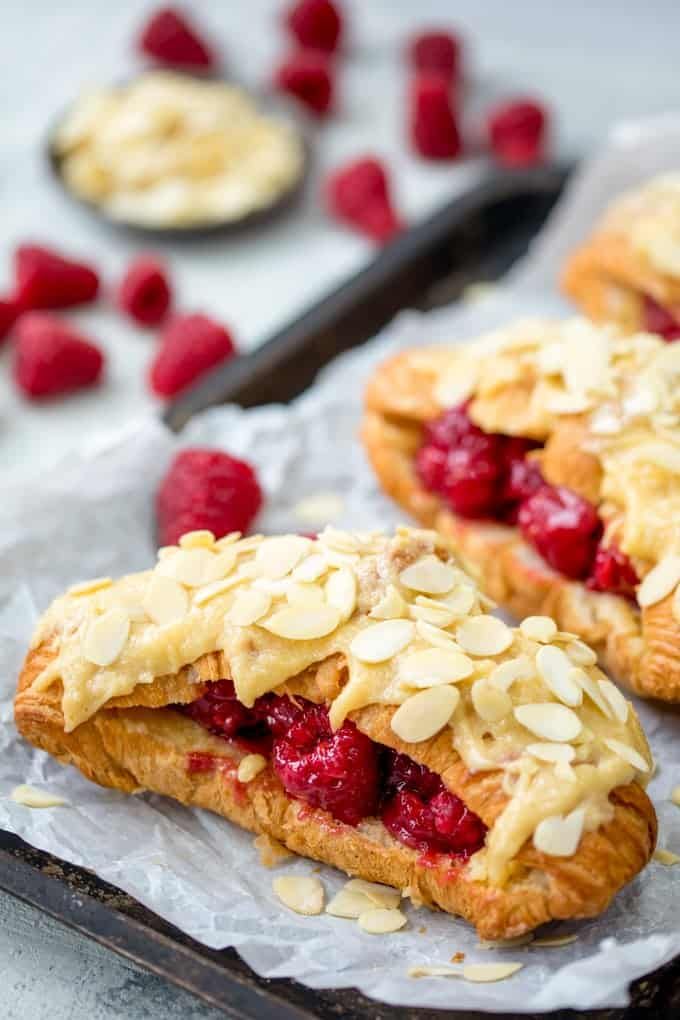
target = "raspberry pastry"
x: 628, y: 271
x: 549, y: 454
x: 350, y: 697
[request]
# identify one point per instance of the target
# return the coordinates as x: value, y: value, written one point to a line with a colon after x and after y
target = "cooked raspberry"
x: 436, y: 53
x: 442, y: 824
x: 433, y: 122
x: 517, y: 132
x: 403, y: 773
x: 219, y: 712
x: 144, y: 292
x: 206, y: 489
x: 45, y: 279
x: 168, y: 38
x: 563, y: 527
x: 523, y: 477
x: 452, y: 428
x: 316, y: 24
x: 613, y: 572
x: 277, y: 713
x: 337, y: 772
x: 431, y: 467
x: 473, y: 478
x: 359, y: 194
x: 657, y: 319
x: 308, y: 77
x: 190, y: 346
x: 9, y: 313
x: 51, y: 358
x: 199, y: 761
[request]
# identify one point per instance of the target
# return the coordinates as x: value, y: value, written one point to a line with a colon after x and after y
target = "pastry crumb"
x: 666, y: 857
x: 457, y: 958
x: 519, y: 940
x: 271, y: 851
x: 32, y: 797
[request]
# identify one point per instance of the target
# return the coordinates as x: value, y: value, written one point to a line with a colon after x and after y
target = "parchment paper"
x: 92, y: 515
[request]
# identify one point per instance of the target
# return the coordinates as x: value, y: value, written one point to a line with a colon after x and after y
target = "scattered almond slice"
x: 429, y: 576
x: 675, y: 795
x: 381, y: 641
x: 341, y: 591
x: 462, y: 599
x: 165, y: 601
x: 554, y: 941
x: 298, y: 594
x: 555, y: 668
x: 558, y: 836
x: 659, y: 582
x: 88, y: 587
x: 432, y: 666
x: 301, y: 893
x: 436, y: 617
x: 250, y: 766
x: 349, y: 904
x: 249, y: 606
x: 435, y: 635
x: 341, y: 541
x: 628, y: 754
x: 505, y: 673
x: 592, y: 689
x: 424, y: 714
x: 320, y: 507
x: 390, y: 607
x: 226, y: 540
x: 276, y: 557
x: 455, y: 387
x: 32, y: 797
x: 311, y: 569
x: 553, y: 753
x: 491, y: 703
x: 580, y: 653
x: 105, y: 636
x: 539, y: 628
x: 615, y: 699
x: 484, y: 635
x: 188, y: 566
x: 220, y: 565
x: 379, y: 921
x: 511, y: 943
x: 303, y: 623
x: 211, y: 591
x: 202, y: 539
x: 487, y: 972
x: 434, y: 970
x: 666, y: 857
x: 549, y: 721
x: 380, y: 895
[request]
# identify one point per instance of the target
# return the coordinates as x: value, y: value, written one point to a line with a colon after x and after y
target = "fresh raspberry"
x: 613, y: 572
x: 657, y: 319
x: 168, y: 38
x: 336, y: 771
x: 433, y: 123
x: 206, y: 489
x: 517, y: 132
x: 219, y: 712
x: 190, y: 346
x: 51, y: 358
x: 452, y: 428
x: 563, y: 527
x: 436, y: 53
x: 45, y: 279
x: 307, y: 76
x: 402, y: 773
x: 431, y: 468
x: 316, y: 24
x: 473, y: 478
x: 442, y: 824
x: 359, y: 194
x: 144, y: 292
x: 523, y: 477
x: 9, y: 313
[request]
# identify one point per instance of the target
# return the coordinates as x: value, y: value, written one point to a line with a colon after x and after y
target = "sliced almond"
x: 660, y: 581
x: 666, y: 857
x: 558, y: 836
x: 486, y: 972
x: 592, y: 689
x: 105, y: 637
x: 303, y: 623
x: 165, y: 600
x: 424, y: 714
x: 379, y: 921
x: 347, y: 903
x: 484, y: 635
x: 434, y: 970
x: 220, y: 565
x: 380, y: 641
x: 675, y: 796
x: 461, y: 600
x: 227, y: 540
x: 276, y: 557
x: 304, y: 594
x: 436, y: 617
x: 435, y: 635
x: 379, y: 895
x: 505, y: 673
x: 491, y: 703
x: 554, y: 941
x: 539, y: 628
x: 550, y: 721
x: 341, y: 541
x: 554, y: 753
x: 580, y: 653
x: 341, y: 591
x: 429, y: 576
x: 628, y: 754
x: 615, y: 699
x: 390, y: 607
x: 310, y: 569
x: 87, y: 587
x: 300, y: 893
x: 32, y: 797
x: 250, y: 766
x: 456, y: 386
x: 188, y: 566
x: 203, y: 539
x: 249, y: 606
x: 510, y: 943
x: 433, y: 666
x: 555, y: 668
x: 211, y: 591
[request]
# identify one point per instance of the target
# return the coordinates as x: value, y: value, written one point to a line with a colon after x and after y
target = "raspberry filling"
x: 342, y: 772
x: 563, y: 527
x: 657, y: 319
x: 613, y: 572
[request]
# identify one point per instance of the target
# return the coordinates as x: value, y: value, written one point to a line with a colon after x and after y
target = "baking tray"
x: 471, y: 239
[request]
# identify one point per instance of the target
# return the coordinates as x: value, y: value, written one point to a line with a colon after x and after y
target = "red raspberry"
x: 190, y: 346
x: 523, y: 478
x: 433, y: 122
x: 436, y: 53
x: 431, y: 468
x: 307, y: 76
x: 359, y: 194
x: 337, y: 772
x: 52, y: 358
x: 563, y: 527
x: 48, y: 280
x: 206, y: 489
x: 442, y: 824
x: 517, y: 132
x: 316, y: 24
x: 613, y: 572
x: 9, y: 313
x: 657, y: 319
x: 168, y: 38
x: 144, y: 292
x: 452, y: 428
x: 402, y: 773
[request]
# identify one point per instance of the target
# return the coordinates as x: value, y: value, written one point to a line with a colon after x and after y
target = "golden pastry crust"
x: 140, y: 748
x: 637, y: 647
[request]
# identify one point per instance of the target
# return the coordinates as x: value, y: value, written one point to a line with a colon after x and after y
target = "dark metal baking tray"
x: 471, y: 239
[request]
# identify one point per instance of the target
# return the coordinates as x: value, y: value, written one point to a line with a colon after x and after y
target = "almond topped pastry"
x: 548, y: 452
x: 350, y: 698
x: 628, y: 271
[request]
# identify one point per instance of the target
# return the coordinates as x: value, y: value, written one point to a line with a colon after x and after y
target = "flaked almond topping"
x: 560, y: 836
x: 277, y: 589
x: 539, y: 628
x: 249, y: 606
x: 87, y: 587
x: 165, y: 600
x: 505, y: 673
x: 311, y: 569
x: 483, y: 973
x: 211, y: 591
x: 105, y: 637
x: 341, y: 541
x: 484, y: 635
x: 557, y: 754
x: 424, y: 714
x: 341, y: 591
x: 226, y: 540
x: 592, y: 689
x: 440, y: 616
x: 675, y: 796
x: 250, y: 766
x: 31, y: 796
x: 433, y: 970
x: 164, y: 552
x: 490, y: 702
x: 197, y: 540
x: 245, y: 545
x: 380, y: 895
x: 461, y: 600
x: 349, y: 904
x: 615, y: 699
x: 549, y: 721
x: 580, y: 653
x: 660, y: 581
x: 390, y: 607
x: 303, y: 594
x: 220, y: 565
x: 276, y: 557
x: 555, y: 668
x: 433, y: 666
x: 380, y: 641
x: 190, y: 567
x: 379, y: 921
x: 456, y: 386
x: 303, y: 623
x: 510, y: 943
x: 435, y: 635
x: 628, y: 754
x: 429, y: 576
x: 335, y: 558
x: 554, y: 941
x: 300, y: 893
x: 666, y: 857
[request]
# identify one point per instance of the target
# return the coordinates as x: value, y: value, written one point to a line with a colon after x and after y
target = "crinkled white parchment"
x: 93, y: 515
